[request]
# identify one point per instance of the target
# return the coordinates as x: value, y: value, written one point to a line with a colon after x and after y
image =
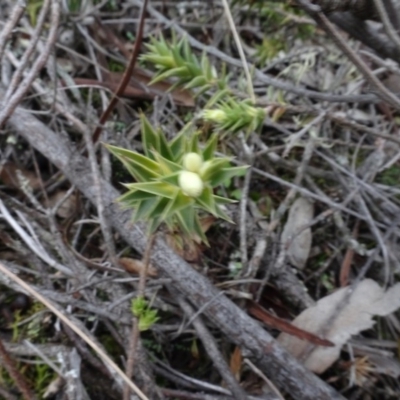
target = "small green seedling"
x: 147, y: 317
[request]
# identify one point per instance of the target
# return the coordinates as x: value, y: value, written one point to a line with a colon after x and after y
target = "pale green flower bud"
x: 218, y: 116
x: 191, y: 183
x: 214, y: 72
x: 192, y: 162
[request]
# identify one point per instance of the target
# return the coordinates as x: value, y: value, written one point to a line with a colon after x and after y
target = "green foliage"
x: 115, y: 66
x: 277, y: 18
x: 37, y: 373
x: 147, y: 317
x: 77, y: 6
x: 177, y: 60
x: 233, y: 116
x: 43, y: 376
x: 33, y: 328
x: 33, y: 7
x: 16, y: 331
x: 74, y: 6
x: 390, y: 176
x: 175, y: 180
x: 327, y: 282
x: 111, y: 5
x: 153, y: 346
x: 269, y: 48
x: 306, y: 31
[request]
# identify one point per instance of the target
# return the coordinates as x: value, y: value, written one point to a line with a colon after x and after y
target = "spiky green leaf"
x: 222, y: 175
x: 140, y: 166
x: 161, y: 189
x: 133, y: 196
x: 143, y: 208
x: 150, y: 137
x: 177, y: 204
x: 167, y: 166
x: 206, y: 200
x: 210, y: 147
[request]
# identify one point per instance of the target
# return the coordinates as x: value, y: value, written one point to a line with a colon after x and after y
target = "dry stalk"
x: 387, y: 23
x: 30, y: 49
x: 382, y: 91
x: 232, y: 25
x: 126, y: 77
x: 134, y: 338
x: 211, y: 347
x: 15, y: 16
x: 37, y: 66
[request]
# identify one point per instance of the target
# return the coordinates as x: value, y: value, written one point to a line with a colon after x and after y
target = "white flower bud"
x: 192, y: 162
x: 191, y: 184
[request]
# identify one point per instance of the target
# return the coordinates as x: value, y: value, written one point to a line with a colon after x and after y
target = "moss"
x: 390, y: 177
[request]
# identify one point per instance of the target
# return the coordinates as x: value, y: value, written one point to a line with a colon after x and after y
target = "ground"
x: 198, y: 289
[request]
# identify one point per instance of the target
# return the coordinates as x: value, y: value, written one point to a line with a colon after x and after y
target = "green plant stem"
x: 135, y: 333
x: 12, y: 370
